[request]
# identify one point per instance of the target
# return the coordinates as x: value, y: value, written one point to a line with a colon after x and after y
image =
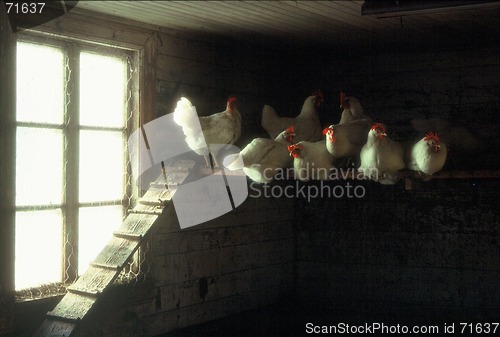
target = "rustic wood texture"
x: 95, y: 280
x: 459, y: 85
x: 157, y: 196
x: 135, y: 225
x: 148, y: 80
x: 207, y: 73
x: 73, y: 307
x: 329, y: 24
x: 392, y: 247
x: 81, y: 24
x: 236, y: 262
x: 116, y: 253
x: 51, y: 328
x: 434, y: 248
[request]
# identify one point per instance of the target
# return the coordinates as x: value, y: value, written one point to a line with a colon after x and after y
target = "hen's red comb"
x: 327, y: 130
x: 293, y: 147
x: 230, y: 103
x: 291, y: 128
x: 378, y: 126
x: 432, y: 135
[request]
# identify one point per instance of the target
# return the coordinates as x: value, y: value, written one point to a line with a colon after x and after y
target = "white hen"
x: 307, y: 123
x: 353, y: 110
x: 346, y: 140
x: 381, y: 157
x: 220, y: 128
x: 263, y: 158
x: 428, y: 155
x: 311, y: 160
x: 454, y: 135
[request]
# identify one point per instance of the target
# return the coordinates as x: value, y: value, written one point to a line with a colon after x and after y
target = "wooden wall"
x: 431, y: 253
x: 396, y: 254
x: 208, y: 73
x: 240, y: 261
x: 460, y: 86
x: 243, y: 259
x: 426, y: 249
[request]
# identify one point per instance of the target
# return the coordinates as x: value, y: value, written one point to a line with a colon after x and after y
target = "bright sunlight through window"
x: 44, y: 162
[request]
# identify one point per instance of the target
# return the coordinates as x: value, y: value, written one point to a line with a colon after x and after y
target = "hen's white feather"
x: 427, y: 156
x: 381, y: 157
x: 263, y: 158
x: 455, y: 136
x: 311, y: 160
x: 346, y: 140
x: 220, y: 128
x: 353, y: 110
x: 307, y: 123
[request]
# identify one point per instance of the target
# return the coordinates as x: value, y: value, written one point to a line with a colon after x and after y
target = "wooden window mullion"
x: 71, y: 176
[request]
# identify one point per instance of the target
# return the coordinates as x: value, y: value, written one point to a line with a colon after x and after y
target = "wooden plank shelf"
x: 105, y: 266
x: 156, y: 212
x: 179, y: 165
x: 73, y: 307
x: 82, y: 291
x: 471, y: 174
x: 351, y: 174
x: 116, y: 253
x: 130, y: 236
x: 95, y: 279
x: 413, y: 180
x: 135, y: 225
x: 157, y: 196
x: 56, y: 328
x: 173, y: 179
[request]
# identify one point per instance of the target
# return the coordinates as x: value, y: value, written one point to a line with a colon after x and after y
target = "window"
x: 74, y: 116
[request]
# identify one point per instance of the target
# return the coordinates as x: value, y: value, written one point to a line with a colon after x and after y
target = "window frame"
x: 71, y: 133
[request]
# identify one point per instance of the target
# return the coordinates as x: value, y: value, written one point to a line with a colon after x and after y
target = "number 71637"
x: 25, y: 7
x: 479, y: 328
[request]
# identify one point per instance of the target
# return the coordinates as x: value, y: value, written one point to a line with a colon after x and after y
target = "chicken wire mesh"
x: 138, y: 266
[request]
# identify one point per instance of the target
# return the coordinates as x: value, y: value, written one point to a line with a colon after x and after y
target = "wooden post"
x: 7, y: 168
x: 148, y: 80
x: 71, y: 177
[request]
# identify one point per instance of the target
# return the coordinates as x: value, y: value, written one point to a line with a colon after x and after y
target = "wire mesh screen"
x: 41, y: 291
x: 76, y: 132
x: 138, y: 267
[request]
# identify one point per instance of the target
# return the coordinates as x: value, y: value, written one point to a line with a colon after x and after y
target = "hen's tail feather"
x: 269, y: 115
x: 186, y: 116
x: 272, y: 123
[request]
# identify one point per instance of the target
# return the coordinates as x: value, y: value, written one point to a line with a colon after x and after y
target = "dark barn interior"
x: 416, y: 253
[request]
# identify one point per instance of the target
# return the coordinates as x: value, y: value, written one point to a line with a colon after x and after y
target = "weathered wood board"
x: 135, y: 225
x: 73, y: 307
x: 94, y: 280
x: 116, y: 253
x: 55, y: 328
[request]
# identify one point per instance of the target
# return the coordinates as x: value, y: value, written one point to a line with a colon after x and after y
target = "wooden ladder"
x: 86, y: 291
